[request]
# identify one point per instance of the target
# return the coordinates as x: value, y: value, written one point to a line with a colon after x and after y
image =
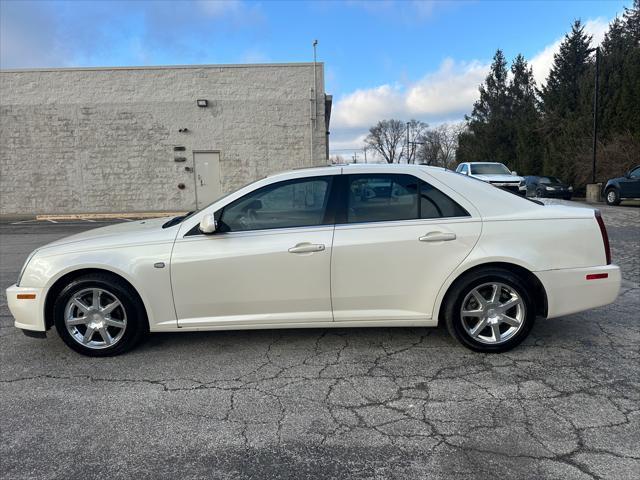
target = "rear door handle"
x: 438, y: 237
x: 307, y: 248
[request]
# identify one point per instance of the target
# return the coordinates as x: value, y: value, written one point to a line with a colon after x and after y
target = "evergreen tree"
x: 525, y: 118
x: 566, y: 120
x: 488, y: 136
x: 549, y: 132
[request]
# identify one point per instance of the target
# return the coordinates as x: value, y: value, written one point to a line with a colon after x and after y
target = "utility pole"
x: 364, y: 149
x: 595, y: 117
x: 408, y: 153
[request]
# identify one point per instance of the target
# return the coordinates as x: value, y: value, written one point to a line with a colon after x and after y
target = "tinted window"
x: 293, y: 203
x: 489, y: 169
x: 549, y: 180
x: 635, y: 173
x: 463, y: 169
x: 435, y: 204
x: 380, y: 197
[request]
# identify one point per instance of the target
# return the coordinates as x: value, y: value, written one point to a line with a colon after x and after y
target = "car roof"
x: 485, y: 163
x: 356, y: 167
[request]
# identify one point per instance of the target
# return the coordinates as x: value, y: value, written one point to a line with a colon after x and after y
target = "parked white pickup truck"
x: 495, y: 173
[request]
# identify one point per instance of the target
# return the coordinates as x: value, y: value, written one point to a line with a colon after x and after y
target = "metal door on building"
x: 207, y: 177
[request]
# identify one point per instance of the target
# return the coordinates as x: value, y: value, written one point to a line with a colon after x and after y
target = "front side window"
x: 292, y: 203
x: 463, y: 169
x: 635, y: 173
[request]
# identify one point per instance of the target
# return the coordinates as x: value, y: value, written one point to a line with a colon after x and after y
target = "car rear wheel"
x: 99, y: 315
x: 612, y: 196
x: 490, y: 311
x: 540, y: 193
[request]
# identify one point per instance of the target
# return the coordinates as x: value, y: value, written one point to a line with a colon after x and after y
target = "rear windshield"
x: 489, y: 169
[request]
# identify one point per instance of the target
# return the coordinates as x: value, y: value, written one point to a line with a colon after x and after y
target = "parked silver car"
x: 495, y: 173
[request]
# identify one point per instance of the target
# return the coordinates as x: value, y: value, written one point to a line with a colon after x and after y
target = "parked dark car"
x: 551, y: 187
x: 618, y: 189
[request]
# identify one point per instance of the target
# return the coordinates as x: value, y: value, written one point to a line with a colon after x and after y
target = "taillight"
x: 605, y: 237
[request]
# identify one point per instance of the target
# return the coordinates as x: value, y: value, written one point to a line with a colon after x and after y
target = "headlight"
x: 547, y: 188
x: 570, y: 188
x: 24, y: 267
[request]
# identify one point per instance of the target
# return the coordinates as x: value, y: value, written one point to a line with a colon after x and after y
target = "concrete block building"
x: 153, y: 138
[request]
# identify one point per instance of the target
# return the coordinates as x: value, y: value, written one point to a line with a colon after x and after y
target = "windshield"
x: 547, y: 180
x: 489, y: 169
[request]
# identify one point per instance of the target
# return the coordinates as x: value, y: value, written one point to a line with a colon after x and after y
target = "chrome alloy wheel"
x: 95, y: 318
x: 611, y: 196
x: 492, y: 313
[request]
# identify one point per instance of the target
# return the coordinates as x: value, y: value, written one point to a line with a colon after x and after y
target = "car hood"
x: 498, y: 178
x: 126, y: 233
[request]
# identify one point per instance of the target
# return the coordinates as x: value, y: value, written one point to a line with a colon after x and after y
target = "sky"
x: 383, y: 59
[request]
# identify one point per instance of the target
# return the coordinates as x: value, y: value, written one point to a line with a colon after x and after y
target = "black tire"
x: 568, y: 197
x: 131, y: 306
x: 612, y: 196
x: 540, y: 193
x: 463, y: 287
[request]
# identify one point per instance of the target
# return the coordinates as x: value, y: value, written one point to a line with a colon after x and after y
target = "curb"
x: 107, y: 216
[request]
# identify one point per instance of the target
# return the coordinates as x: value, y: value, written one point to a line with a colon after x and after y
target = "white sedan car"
x: 341, y: 246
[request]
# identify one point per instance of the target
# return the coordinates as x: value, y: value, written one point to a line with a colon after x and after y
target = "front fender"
x: 135, y: 264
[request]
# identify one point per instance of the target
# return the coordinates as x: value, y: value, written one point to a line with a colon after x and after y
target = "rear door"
x: 395, y: 242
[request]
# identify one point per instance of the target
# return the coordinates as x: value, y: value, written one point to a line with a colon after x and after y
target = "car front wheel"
x: 99, y: 315
x: 490, y: 311
x: 612, y: 196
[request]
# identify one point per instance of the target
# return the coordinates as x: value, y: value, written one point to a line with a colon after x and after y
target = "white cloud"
x: 216, y: 8
x: 359, y: 108
x: 543, y: 61
x: 446, y: 93
x: 450, y: 90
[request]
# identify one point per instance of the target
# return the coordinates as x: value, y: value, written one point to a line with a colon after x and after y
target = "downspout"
x: 313, y: 103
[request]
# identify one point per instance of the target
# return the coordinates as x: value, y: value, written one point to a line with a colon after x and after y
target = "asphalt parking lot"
x: 337, y: 403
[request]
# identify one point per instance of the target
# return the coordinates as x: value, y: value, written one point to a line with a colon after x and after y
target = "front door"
x: 207, y: 172
x: 399, y: 240
x: 268, y: 263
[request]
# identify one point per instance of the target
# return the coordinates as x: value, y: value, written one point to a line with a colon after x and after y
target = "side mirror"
x: 208, y: 224
x: 514, y: 173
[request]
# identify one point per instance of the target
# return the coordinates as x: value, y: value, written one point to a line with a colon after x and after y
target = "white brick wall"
x: 101, y: 140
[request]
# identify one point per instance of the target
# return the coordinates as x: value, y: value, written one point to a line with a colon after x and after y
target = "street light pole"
x: 408, y: 154
x: 595, y: 118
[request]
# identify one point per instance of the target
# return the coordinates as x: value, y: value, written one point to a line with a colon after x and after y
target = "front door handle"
x: 307, y: 248
x: 438, y: 237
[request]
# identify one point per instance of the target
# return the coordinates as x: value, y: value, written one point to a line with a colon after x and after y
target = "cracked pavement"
x: 328, y: 403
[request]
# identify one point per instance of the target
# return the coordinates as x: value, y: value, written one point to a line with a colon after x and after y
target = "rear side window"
x: 383, y: 198
x: 435, y: 204
x: 380, y: 198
